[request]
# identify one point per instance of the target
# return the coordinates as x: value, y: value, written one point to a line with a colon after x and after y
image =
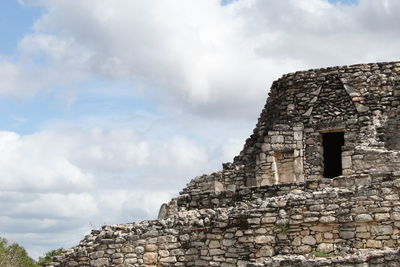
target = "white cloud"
x: 169, y: 48
x: 222, y: 61
x: 29, y: 164
x: 16, y: 82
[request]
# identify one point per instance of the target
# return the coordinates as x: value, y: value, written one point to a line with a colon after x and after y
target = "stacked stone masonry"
x: 316, y: 184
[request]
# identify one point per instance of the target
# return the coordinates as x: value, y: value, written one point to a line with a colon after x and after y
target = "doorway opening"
x: 332, y: 144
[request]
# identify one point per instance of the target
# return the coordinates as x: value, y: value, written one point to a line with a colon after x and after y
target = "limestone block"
x: 357, y: 98
x: 296, y: 241
x: 264, y: 239
x: 265, y: 251
x: 228, y: 242
x: 118, y: 261
x: 139, y: 250
x: 239, y: 233
x: 150, y: 258
x: 177, y: 252
x: 167, y: 239
x: 117, y: 255
x: 99, y: 262
x: 201, y: 263
x: 363, y: 218
x: 231, y: 188
x: 184, y: 237
x: 361, y: 108
x: 151, y: 248
x: 277, y: 139
x: 325, y: 247
x: 327, y: 219
x: 392, y: 197
x: 253, y: 220
x: 319, y: 237
x: 214, y: 244
x: 246, y: 239
x: 171, y: 259
x: 261, y: 231
x: 304, y: 249
x: 290, y: 107
x: 346, y: 162
x: 328, y: 235
x: 131, y: 260
x: 96, y: 255
x: 363, y: 235
x: 218, y: 186
x: 361, y: 229
x: 395, y: 216
x: 297, y: 136
x: 311, y: 219
x: 163, y: 253
x: 374, y: 244
x: 268, y: 219
x: 270, y: 158
x: 309, y: 240
x: 381, y: 229
x: 127, y: 249
x: 265, y: 147
x: 382, y: 216
x: 216, y: 251
x: 346, y: 234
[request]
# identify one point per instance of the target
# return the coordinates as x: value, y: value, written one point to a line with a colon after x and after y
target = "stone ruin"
x: 316, y: 184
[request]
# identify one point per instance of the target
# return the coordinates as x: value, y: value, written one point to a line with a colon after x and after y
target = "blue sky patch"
x: 345, y: 2
x: 15, y: 21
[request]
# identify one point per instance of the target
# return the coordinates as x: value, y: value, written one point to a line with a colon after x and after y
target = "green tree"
x: 49, y: 256
x: 13, y: 255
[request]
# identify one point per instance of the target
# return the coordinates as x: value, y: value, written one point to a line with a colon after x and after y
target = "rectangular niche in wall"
x: 285, y: 166
x: 332, y: 143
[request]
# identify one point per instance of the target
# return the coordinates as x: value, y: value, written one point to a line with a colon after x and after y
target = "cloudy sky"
x: 108, y: 108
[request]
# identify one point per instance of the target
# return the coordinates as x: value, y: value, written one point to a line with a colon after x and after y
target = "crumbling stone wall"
x: 272, y: 206
x: 252, y: 225
x: 360, y: 100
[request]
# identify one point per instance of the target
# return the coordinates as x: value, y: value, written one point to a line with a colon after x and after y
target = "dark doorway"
x: 332, y: 144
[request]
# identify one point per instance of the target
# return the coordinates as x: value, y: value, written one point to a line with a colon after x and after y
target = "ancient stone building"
x: 319, y: 176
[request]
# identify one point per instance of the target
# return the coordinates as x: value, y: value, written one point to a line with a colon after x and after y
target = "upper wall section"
x: 346, y: 118
x: 361, y: 101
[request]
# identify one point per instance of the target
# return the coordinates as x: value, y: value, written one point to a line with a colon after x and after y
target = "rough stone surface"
x: 273, y: 205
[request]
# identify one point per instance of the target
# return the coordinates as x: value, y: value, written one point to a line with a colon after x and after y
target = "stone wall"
x: 360, y: 100
x: 376, y: 258
x: 332, y: 216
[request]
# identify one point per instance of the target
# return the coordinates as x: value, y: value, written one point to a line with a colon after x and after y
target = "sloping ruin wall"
x: 360, y: 100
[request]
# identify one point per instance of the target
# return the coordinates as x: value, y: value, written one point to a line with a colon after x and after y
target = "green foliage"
x: 248, y: 202
x: 284, y: 227
x: 49, y: 256
x: 13, y: 255
x: 321, y: 254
